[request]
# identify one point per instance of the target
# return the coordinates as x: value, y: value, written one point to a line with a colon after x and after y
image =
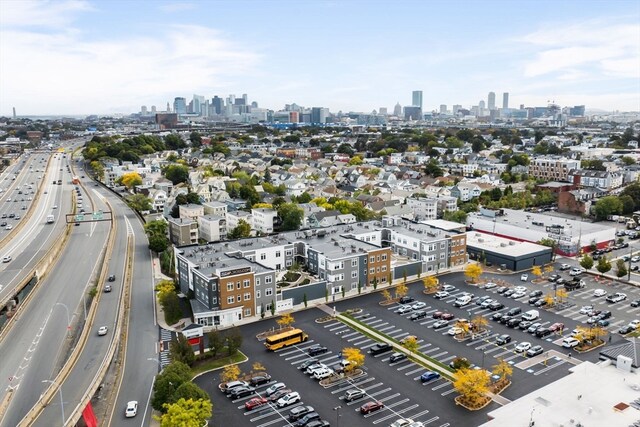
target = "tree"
x: 604, y: 265
x: 628, y: 204
x: 304, y: 300
x: 182, y: 351
x: 291, y: 215
x: 188, y: 390
x: 138, y: 202
x: 174, y: 142
x: 462, y: 325
x: 458, y: 216
x: 285, y: 320
x: 167, y: 382
x: 503, y: 370
x: 536, y: 271
x: 186, y: 413
x: 548, y: 268
x: 354, y: 356
x: 621, y: 268
x: 609, y: 205
x: 460, y: 363
x: 272, y: 307
x: 411, y: 344
x: 258, y: 367
x: 479, y: 323
x: 386, y: 295
x: 550, y: 300
x: 586, y: 262
x: 473, y: 385
x: 196, y: 139
x: 230, y: 373
x: 401, y: 290
x: 98, y: 169
x: 433, y: 169
x: 176, y: 173
x: 234, y: 341
x: 170, y: 304
x: 131, y: 179
x: 473, y: 272
x: 158, y: 243
x: 430, y: 283
x: 243, y: 229
x: 216, y: 342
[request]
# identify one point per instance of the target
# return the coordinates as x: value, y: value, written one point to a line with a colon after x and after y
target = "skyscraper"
x: 443, y: 108
x: 505, y: 100
x: 397, y: 110
x: 218, y: 104
x: 416, y: 98
x: 180, y: 105
x: 491, y: 101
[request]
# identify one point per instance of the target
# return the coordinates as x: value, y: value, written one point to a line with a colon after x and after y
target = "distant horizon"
x: 113, y: 57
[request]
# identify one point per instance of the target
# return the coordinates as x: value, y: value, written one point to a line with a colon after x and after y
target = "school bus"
x: 294, y: 336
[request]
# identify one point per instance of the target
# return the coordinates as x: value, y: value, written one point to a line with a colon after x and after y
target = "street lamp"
x: 337, y: 409
x: 61, y: 401
x: 68, y: 317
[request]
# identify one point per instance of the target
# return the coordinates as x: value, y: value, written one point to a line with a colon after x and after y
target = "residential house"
x: 593, y: 178
x: 191, y: 210
x: 183, y: 231
x: 465, y: 191
x: 215, y: 208
x: 212, y: 228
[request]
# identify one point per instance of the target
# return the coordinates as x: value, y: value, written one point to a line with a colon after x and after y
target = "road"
x: 37, y: 345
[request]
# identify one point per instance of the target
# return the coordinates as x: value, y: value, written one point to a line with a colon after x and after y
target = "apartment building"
x: 423, y: 208
x: 234, y: 217
x: 552, y: 168
x: 600, y: 179
x: 212, y: 228
x: 264, y: 220
x: 215, y: 208
x: 183, y: 231
x: 191, y: 211
x: 446, y: 204
x: 465, y: 191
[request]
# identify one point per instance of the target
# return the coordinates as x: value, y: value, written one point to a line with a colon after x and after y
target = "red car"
x: 371, y: 406
x: 556, y: 327
x: 437, y: 315
x: 447, y: 316
x: 255, y: 403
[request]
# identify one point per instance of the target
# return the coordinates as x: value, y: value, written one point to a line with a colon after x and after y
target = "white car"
x: 102, y: 330
x: 564, y: 267
x: 523, y: 346
x: 404, y: 309
x: 599, y: 293
x: 519, y: 289
x: 635, y: 258
x: 448, y: 288
x: 402, y: 422
x: 132, y: 409
x: 617, y: 297
x: 518, y: 294
x: 634, y: 324
x: 441, y: 294
x: 524, y: 277
x: 576, y: 270
x: 55, y: 206
x: 288, y: 399
x: 490, y: 285
x: 455, y: 331
x: 586, y: 309
x: 9, y: 227
x: 418, y: 305
x: 322, y: 373
x: 277, y: 386
x: 570, y: 342
x: 6, y: 258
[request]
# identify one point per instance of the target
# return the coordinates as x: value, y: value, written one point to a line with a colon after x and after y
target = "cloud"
x: 41, y: 14
x: 68, y: 73
x: 176, y: 7
x: 596, y: 47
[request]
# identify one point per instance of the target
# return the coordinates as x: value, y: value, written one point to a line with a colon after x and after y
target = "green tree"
x: 216, y: 342
x: 181, y: 351
x: 243, y: 229
x: 158, y: 243
x: 196, y: 139
x: 633, y: 191
x: 433, y: 169
x: 186, y: 413
x: 98, y: 169
x: 174, y: 142
x: 586, y: 262
x: 304, y: 300
x: 628, y: 204
x: 604, y: 265
x: 138, y: 202
x: 291, y: 216
x: 609, y: 205
x: 621, y: 268
x: 304, y: 198
x: 459, y: 216
x: 176, y: 173
x: 167, y: 382
x: 188, y: 390
x: 234, y: 341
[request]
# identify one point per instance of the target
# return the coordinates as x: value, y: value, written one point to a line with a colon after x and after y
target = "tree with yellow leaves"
x: 258, y: 367
x: 401, y: 290
x: 285, y: 320
x: 464, y: 326
x: 548, y: 268
x: 230, y: 373
x: 354, y: 356
x: 130, y: 179
x: 164, y: 288
x: 386, y: 295
x: 562, y: 295
x: 473, y: 385
x: 430, y: 284
x: 536, y: 271
x: 550, y: 300
x: 473, y: 272
x: 479, y: 324
x: 411, y: 344
x: 503, y: 370
x: 186, y: 413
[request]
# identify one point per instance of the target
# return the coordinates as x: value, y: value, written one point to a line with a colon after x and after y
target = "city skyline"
x: 83, y: 57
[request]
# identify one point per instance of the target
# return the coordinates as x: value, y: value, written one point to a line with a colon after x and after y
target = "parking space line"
x: 548, y: 368
x: 374, y: 322
x: 362, y: 342
x: 415, y: 417
x: 448, y: 392
x: 447, y: 359
x: 402, y: 368
x: 511, y: 357
x: 418, y: 369
x: 342, y: 326
x: 384, y: 390
x: 351, y: 334
x: 430, y: 350
x: 332, y: 324
x: 424, y: 346
x: 396, y: 413
x: 296, y: 356
x: 368, y: 345
x: 386, y: 328
x: 386, y: 407
x: 357, y: 337
x: 439, y: 354
x: 354, y: 384
x: 439, y: 386
x: 430, y: 420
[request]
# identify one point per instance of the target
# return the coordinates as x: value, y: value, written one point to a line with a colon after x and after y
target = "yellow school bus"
x: 294, y: 336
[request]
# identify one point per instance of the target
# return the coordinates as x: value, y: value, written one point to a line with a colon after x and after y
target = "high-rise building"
x: 143, y: 110
x: 443, y: 108
x: 491, y: 100
x: 382, y: 111
x: 218, y: 104
x: 397, y: 110
x: 153, y: 109
x: 168, y: 108
x: 577, y: 111
x: 412, y: 113
x: 198, y: 101
x: 180, y: 105
x: 319, y: 115
x: 416, y: 98
x: 505, y: 100
x: 455, y: 108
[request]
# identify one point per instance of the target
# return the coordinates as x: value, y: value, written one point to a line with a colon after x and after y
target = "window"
x: 442, y: 245
x: 230, y: 300
x: 263, y: 256
x: 215, y: 300
x: 354, y: 274
x: 247, y: 312
x: 246, y: 283
x: 288, y: 252
x: 238, y: 284
x: 384, y: 268
x: 278, y: 266
x: 372, y: 271
x: 372, y: 259
x: 257, y: 282
x: 268, y: 279
x: 384, y: 279
x: 384, y: 257
x: 414, y: 256
x: 278, y: 253
x: 257, y: 294
x: 378, y: 259
x: 247, y: 296
x: 288, y: 263
x: 230, y: 286
x: 268, y: 292
x: 239, y: 298
x: 441, y: 256
x: 354, y: 263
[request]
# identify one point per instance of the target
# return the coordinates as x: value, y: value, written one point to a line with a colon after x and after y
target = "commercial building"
x: 506, y: 253
x: 505, y: 100
x: 552, y: 168
x: 570, y: 236
x: 491, y: 101
x: 416, y: 98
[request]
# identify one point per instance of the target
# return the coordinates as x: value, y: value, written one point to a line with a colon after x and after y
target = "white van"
x: 531, y: 315
x: 462, y: 301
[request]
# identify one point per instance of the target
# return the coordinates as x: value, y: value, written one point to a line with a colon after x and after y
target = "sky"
x: 68, y: 57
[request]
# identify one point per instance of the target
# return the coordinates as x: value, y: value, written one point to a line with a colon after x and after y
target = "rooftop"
x: 575, y: 401
x: 501, y: 245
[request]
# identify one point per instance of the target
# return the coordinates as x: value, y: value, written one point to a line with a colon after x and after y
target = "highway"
x: 36, y: 346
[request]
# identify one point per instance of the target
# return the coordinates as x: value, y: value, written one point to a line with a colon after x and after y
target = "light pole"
x: 337, y: 409
x: 68, y: 317
x: 61, y: 401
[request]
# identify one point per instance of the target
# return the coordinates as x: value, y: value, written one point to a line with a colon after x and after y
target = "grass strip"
x: 206, y: 365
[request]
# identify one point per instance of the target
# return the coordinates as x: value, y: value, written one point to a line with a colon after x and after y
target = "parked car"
x: 482, y: 299
x: 275, y: 387
x: 406, y: 299
x: 316, y: 350
x: 524, y: 277
x: 448, y: 288
x: 570, y: 342
x: 496, y: 305
x: 440, y: 324
x: 371, y: 407
x: 533, y: 300
x: 255, y: 402
x: 536, y: 293
x: 524, y: 325
x: 576, y: 271
x: 523, y: 346
x: 617, y: 297
x: 514, y: 322
x: 509, y: 292
x: 441, y: 294
x: 226, y: 388
x: 322, y: 373
x: 240, y: 392
x: 503, y: 339
x: 543, y: 332
x: 502, y: 289
x: 288, y: 399
x: 436, y: 315
x: 490, y: 285
x: 278, y: 394
x: 535, y: 350
x: 429, y: 376
x: 556, y: 327
x: 496, y: 316
x: 514, y: 311
x: 487, y: 303
x: 585, y: 309
x: 397, y: 357
x: 534, y: 327
x: 599, y: 293
x: 379, y: 348
x: 307, y: 418
x: 447, y: 316
x: 304, y: 365
x: 564, y: 267
x: 419, y: 305
x: 603, y: 323
x: 260, y: 380
x: 318, y: 423
x: 626, y: 330
x: 353, y: 394
x: 455, y: 331
x: 404, y: 309
x: 541, y: 302
x: 299, y: 411
x: 420, y: 314
x: 635, y: 303
x: 553, y: 277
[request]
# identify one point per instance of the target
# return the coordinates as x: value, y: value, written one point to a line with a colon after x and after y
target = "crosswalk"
x: 165, y: 338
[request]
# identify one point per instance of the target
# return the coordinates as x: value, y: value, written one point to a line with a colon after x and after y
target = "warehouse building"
x: 506, y: 253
